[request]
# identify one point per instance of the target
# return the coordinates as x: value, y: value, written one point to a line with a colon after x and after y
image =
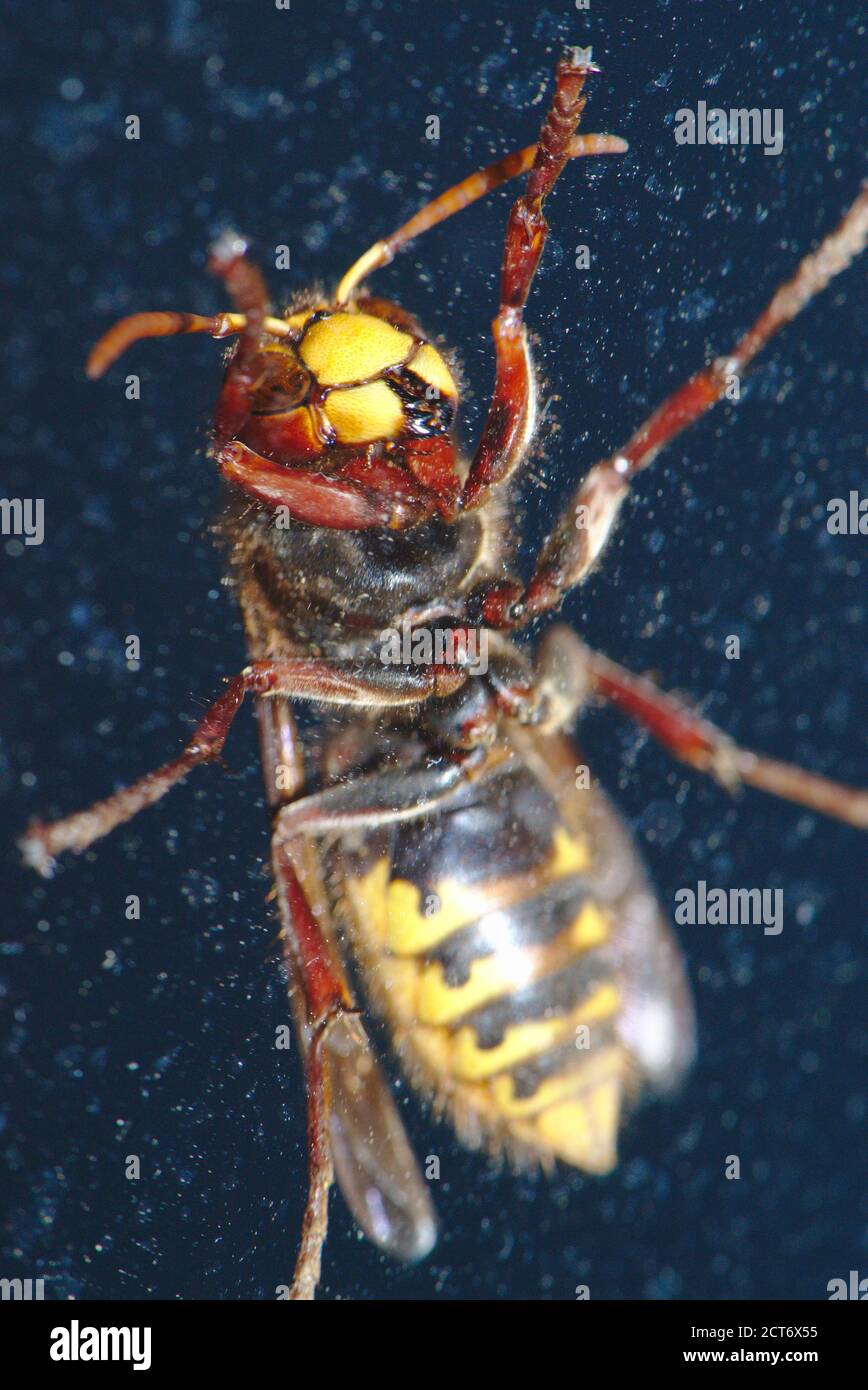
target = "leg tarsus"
x: 314, y: 1229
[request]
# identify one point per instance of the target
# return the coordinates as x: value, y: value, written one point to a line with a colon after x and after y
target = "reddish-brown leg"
x: 568, y: 674
x: 460, y: 196
x: 298, y: 678
x: 695, y: 741
x: 511, y: 413
x: 322, y: 998
x: 318, y: 991
x: 246, y: 289
x: 585, y: 524
x: 321, y: 499
x: 364, y: 1138
x: 320, y: 1167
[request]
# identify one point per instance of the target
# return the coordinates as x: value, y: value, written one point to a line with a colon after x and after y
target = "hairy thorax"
x: 336, y: 591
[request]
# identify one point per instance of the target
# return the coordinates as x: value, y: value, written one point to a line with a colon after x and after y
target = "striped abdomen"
x: 515, y: 947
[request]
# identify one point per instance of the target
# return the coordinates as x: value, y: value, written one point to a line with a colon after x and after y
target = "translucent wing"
x: 374, y: 1163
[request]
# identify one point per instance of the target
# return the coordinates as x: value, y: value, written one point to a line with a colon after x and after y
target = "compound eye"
x: 284, y: 385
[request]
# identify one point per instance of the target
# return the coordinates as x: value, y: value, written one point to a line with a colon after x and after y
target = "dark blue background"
x: 307, y: 128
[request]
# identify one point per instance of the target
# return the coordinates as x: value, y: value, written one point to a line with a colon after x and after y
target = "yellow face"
x: 360, y: 379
